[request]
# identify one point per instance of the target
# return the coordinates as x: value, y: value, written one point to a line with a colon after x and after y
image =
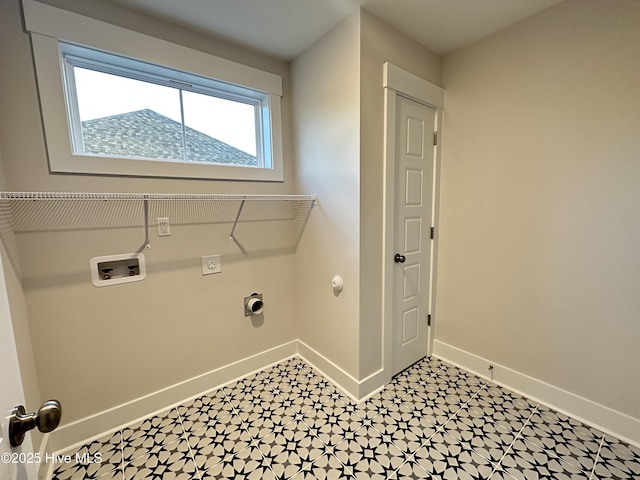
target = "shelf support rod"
x: 147, y: 244
x: 235, y: 222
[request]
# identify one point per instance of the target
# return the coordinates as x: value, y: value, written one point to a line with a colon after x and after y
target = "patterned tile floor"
x: 432, y: 421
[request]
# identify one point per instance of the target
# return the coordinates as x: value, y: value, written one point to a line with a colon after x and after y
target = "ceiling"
x: 285, y: 28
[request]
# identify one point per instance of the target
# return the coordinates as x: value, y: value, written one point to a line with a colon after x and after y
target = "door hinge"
x: 435, y: 137
x: 433, y: 230
x: 429, y: 320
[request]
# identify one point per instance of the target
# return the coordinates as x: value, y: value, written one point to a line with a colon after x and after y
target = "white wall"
x: 539, y: 212
x: 326, y: 112
x: 96, y: 348
x: 338, y: 108
x: 539, y: 266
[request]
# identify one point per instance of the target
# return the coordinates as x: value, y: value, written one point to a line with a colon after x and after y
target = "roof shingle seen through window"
x: 147, y: 134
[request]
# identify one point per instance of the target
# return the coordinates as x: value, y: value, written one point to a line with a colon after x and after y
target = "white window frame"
x: 50, y: 27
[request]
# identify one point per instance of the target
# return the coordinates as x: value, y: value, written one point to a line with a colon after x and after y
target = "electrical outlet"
x: 211, y: 264
x: 164, y: 227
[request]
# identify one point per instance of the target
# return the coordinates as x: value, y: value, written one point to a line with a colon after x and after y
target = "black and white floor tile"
x: 433, y: 421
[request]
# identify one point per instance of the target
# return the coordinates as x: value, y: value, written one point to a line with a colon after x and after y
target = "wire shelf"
x: 24, y: 212
x: 150, y: 196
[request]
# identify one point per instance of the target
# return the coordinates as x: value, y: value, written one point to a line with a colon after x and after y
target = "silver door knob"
x: 46, y: 419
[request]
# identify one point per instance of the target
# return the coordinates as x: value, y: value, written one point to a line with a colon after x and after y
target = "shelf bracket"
x: 147, y: 244
x: 235, y: 222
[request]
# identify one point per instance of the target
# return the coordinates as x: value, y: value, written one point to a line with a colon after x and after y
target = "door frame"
x: 397, y: 81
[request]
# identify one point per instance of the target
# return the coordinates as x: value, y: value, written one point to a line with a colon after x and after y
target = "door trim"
x: 397, y: 81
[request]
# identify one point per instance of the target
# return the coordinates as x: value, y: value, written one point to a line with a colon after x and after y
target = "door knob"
x: 399, y: 258
x: 46, y: 419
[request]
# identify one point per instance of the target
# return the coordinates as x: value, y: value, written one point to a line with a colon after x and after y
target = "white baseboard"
x: 610, y: 421
x: 356, y: 389
x: 81, y: 431
x: 71, y: 435
x: 86, y: 429
x: 333, y: 372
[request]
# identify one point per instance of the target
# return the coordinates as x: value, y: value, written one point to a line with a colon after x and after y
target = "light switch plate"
x: 211, y: 264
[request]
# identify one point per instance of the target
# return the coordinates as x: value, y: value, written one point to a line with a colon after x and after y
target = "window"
x: 127, y: 108
x: 137, y: 105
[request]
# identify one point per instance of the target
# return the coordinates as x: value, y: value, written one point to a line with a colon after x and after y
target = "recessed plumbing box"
x: 116, y: 269
x: 253, y: 304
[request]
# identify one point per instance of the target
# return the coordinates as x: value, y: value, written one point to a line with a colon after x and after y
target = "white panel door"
x: 11, y: 394
x: 415, y: 126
